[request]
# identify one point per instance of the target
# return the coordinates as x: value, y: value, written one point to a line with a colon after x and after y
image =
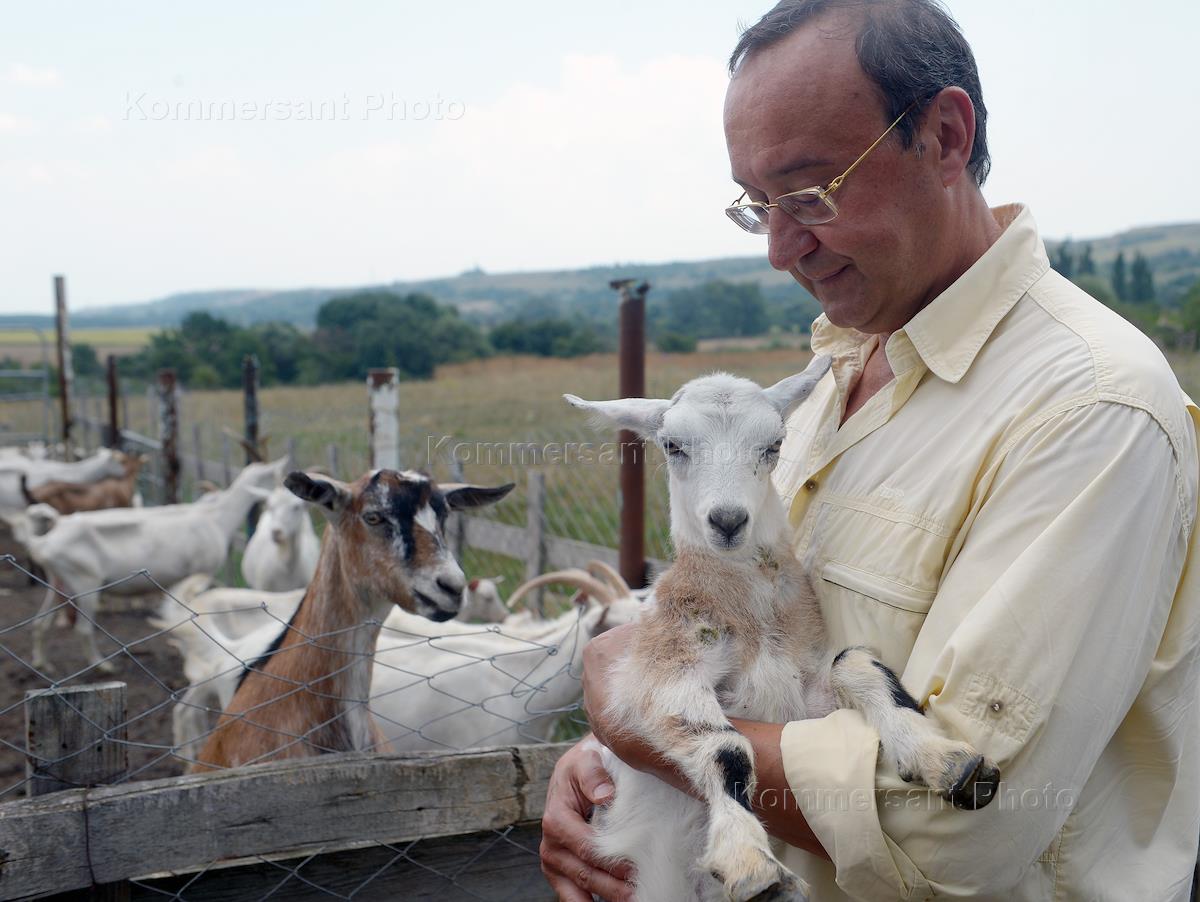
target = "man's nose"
x: 787, y: 241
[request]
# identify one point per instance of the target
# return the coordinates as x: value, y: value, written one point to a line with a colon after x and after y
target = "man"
x: 995, y: 489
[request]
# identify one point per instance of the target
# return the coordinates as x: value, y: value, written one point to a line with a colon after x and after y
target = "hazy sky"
x: 149, y: 148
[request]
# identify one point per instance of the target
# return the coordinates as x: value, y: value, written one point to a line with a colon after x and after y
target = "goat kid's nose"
x: 728, y: 520
x: 451, y: 586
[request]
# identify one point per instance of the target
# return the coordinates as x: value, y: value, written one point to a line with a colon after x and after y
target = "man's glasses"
x: 811, y: 206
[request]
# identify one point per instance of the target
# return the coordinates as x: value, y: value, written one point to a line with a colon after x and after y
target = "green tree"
x: 1120, y: 279
x: 1085, y: 265
x: 1141, y: 281
x: 1189, y: 310
x: 1063, y: 260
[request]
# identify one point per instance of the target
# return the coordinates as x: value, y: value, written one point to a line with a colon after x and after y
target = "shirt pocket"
x: 876, y: 573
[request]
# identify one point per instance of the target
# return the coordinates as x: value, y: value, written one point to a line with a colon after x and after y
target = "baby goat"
x: 384, y: 546
x: 733, y: 627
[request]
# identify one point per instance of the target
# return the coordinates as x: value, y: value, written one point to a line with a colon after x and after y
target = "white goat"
x: 104, y: 464
x: 434, y: 685
x: 282, y: 554
x: 84, y: 552
x: 482, y: 602
x: 734, y: 626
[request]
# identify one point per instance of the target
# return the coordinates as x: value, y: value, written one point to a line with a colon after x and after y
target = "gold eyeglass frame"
x: 745, y: 217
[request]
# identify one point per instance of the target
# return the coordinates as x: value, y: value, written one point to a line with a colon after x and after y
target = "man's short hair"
x: 911, y: 49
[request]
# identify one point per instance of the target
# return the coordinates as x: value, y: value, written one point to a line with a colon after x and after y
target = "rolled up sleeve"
x: 1039, y: 642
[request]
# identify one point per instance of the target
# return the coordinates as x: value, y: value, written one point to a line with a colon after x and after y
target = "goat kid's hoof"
x: 758, y: 877
x: 975, y: 785
x: 106, y: 667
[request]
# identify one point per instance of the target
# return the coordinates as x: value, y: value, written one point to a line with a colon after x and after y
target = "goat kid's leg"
x: 951, y: 768
x: 719, y: 762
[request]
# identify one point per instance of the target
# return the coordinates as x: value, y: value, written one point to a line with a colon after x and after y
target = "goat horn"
x: 605, y: 571
x: 580, y: 579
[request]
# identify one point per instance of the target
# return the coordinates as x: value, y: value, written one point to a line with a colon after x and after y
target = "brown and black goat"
x: 384, y: 545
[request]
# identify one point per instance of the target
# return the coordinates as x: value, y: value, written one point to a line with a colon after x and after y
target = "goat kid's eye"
x: 372, y: 519
x: 674, y: 451
x: 772, y: 452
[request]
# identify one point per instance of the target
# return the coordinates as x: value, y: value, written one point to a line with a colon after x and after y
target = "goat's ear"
x: 330, y: 495
x: 460, y: 496
x: 786, y: 394
x: 260, y: 493
x: 641, y: 415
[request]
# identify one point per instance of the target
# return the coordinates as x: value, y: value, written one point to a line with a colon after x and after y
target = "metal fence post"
x: 535, y: 532
x: 168, y: 434
x: 632, y: 331
x: 66, y: 369
x: 113, y: 438
x: 456, y: 524
x: 76, y: 736
x: 383, y: 387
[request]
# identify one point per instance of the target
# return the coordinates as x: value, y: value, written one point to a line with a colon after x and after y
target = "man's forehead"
x: 800, y: 99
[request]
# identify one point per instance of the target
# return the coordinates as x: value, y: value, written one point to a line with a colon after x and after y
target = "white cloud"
x: 16, y: 125
x: 24, y: 74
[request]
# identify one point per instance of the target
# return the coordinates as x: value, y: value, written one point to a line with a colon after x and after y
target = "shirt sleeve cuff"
x: 830, y: 764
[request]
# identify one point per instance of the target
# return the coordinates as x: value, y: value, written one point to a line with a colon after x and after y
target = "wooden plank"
x: 501, y: 538
x: 488, y: 865
x: 43, y: 845
x: 317, y: 804
x: 75, y: 736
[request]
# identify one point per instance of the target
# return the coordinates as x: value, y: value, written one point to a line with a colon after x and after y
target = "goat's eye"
x: 671, y: 449
x: 772, y: 452
x: 372, y: 519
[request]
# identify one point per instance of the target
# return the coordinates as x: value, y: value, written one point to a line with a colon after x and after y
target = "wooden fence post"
x: 331, y: 458
x: 456, y: 525
x: 113, y: 438
x: 197, y: 452
x: 226, y: 462
x: 383, y: 388
x: 66, y: 369
x: 535, y: 532
x: 291, y: 453
x: 250, y: 423
x: 76, y: 736
x: 168, y: 435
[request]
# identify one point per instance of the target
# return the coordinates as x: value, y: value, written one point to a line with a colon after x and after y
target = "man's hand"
x: 578, y: 783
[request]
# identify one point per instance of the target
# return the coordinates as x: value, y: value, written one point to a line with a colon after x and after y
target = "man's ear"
x: 786, y: 394
x: 328, y: 494
x: 641, y: 415
x: 951, y: 116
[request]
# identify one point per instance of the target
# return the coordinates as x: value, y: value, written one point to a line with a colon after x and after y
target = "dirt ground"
x: 149, y: 667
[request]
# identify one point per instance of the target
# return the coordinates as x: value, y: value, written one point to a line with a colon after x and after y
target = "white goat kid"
x: 282, y: 554
x: 482, y: 602
x: 104, y: 464
x: 86, y: 551
x: 733, y: 626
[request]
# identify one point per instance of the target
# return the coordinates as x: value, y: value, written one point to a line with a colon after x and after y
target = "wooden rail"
x: 82, y: 837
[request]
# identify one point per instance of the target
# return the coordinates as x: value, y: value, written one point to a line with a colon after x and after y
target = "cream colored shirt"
x: 1007, y: 524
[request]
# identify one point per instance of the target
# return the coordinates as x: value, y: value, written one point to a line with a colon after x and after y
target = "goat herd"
x: 368, y: 638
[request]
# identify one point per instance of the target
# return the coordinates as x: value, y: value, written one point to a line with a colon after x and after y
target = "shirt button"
x: 811, y: 485
x: 997, y: 706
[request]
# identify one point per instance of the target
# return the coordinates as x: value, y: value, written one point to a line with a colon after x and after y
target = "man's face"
x: 797, y: 114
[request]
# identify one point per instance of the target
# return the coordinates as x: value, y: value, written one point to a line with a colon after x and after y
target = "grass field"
x: 488, y: 405
x: 25, y: 345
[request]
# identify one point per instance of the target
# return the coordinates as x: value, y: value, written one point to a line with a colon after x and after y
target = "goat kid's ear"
x: 786, y: 394
x: 460, y: 496
x: 327, y: 494
x: 641, y: 415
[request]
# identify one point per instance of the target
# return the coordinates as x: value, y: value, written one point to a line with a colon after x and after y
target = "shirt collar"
x: 949, y: 331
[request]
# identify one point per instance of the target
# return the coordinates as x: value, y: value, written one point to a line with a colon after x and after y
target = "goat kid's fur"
x: 384, y: 547
x: 733, y: 628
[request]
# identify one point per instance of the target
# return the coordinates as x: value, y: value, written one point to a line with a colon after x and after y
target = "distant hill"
x: 1173, y: 251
